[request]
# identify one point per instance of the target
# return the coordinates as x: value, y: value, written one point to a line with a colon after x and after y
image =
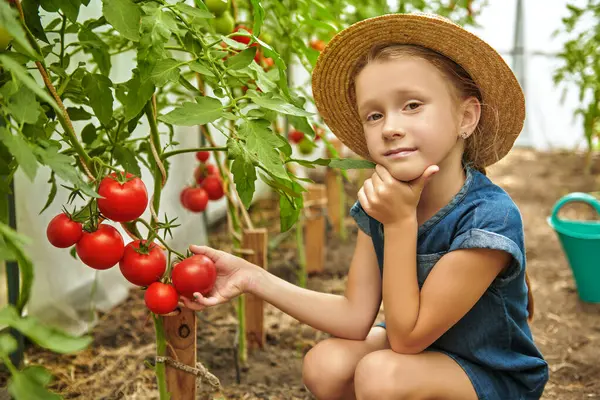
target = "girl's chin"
x: 406, y: 172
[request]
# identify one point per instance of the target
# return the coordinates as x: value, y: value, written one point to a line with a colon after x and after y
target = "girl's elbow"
x: 405, y: 345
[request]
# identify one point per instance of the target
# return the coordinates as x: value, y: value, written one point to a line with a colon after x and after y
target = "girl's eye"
x: 413, y: 106
x: 374, y: 117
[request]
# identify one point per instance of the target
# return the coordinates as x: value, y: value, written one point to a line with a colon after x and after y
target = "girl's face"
x: 411, y: 119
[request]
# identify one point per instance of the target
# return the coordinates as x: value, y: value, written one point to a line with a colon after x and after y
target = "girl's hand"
x: 389, y: 200
x: 234, y: 277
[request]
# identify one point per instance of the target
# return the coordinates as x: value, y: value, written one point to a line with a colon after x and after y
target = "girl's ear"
x: 471, y: 113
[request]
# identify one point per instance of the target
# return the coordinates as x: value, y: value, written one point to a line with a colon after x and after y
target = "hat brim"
x: 503, y: 111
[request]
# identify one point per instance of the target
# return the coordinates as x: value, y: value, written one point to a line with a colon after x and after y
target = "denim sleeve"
x: 361, y: 217
x: 496, y: 226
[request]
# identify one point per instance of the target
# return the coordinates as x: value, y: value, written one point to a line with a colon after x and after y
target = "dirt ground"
x: 566, y: 330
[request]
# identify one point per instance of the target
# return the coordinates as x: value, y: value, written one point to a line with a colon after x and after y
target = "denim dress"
x: 492, y: 342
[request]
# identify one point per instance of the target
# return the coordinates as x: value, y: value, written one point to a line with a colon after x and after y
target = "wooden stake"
x: 334, y: 191
x: 255, y: 240
x: 180, y: 332
x: 314, y: 231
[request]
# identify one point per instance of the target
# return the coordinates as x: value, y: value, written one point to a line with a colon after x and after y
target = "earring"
x: 464, y: 135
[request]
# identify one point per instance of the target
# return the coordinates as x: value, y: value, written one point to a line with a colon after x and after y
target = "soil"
x: 566, y: 330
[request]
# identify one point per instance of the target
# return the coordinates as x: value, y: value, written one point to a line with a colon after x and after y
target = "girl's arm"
x: 416, y: 318
x: 347, y: 316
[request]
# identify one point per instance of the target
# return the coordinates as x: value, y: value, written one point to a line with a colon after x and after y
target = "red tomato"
x: 143, y: 268
x: 182, y: 196
x: 161, y: 298
x: 102, y: 248
x: 268, y: 62
x: 195, y: 199
x: 212, y: 169
x: 317, y: 44
x: 194, y: 274
x: 296, y: 136
x: 204, y: 170
x: 63, y: 232
x: 202, y: 156
x: 240, y: 38
x: 213, y: 186
x: 122, y: 202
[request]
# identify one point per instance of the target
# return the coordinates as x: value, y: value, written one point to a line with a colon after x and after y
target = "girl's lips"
x: 401, y: 154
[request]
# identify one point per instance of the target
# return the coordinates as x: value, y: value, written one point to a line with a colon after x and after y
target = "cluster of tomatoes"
x: 304, y: 145
x: 208, y: 185
x: 124, y: 199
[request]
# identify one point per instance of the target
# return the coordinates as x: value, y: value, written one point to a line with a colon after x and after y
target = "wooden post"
x: 334, y: 191
x: 255, y: 240
x: 180, y: 332
x: 314, y: 228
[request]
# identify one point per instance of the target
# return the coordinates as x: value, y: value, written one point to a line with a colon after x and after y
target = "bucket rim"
x: 561, y: 229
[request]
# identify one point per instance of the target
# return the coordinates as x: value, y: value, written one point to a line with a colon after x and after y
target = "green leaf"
x: 276, y: 103
x: 23, y: 386
x: 205, y: 110
x: 126, y: 158
x: 164, y: 71
x: 156, y: 31
x: 21, y: 150
x: 21, y: 73
x: 242, y: 59
x: 259, y: 16
x: 290, y: 208
x: 45, y: 336
x: 88, y: 134
x: 23, y: 106
x: 262, y: 143
x: 78, y: 114
x: 70, y: 8
x: 14, y: 242
x: 52, y: 194
x: 8, y: 343
x: 99, y: 50
x: 124, y: 16
x: 244, y: 172
x: 200, y: 68
x: 97, y: 89
x: 348, y: 163
x: 193, y: 11
x: 32, y: 19
x: 138, y: 94
x: 9, y: 20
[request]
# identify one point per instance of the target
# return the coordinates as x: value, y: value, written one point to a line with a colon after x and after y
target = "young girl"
x: 440, y: 244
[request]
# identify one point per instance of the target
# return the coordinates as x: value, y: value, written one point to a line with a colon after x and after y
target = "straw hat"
x: 503, y: 112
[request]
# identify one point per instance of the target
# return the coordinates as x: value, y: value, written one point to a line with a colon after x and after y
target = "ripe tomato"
x: 122, y: 202
x: 296, y: 136
x: 202, y: 156
x: 240, y: 38
x: 102, y: 248
x: 195, y: 199
x: 194, y: 274
x: 161, y: 298
x: 63, y: 232
x: 317, y: 44
x: 143, y: 268
x: 182, y: 196
x: 268, y: 62
x: 213, y: 186
x: 204, y: 170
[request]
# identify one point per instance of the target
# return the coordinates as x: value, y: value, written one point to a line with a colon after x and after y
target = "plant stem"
x: 301, y: 254
x: 161, y: 350
x: 181, y: 151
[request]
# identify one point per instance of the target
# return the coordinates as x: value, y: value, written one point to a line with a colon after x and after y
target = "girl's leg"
x: 385, y: 375
x: 328, y: 368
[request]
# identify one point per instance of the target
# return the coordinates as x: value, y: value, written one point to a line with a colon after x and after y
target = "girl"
x: 440, y: 244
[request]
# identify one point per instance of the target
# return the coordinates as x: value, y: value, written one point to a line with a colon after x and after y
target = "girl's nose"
x: 392, y: 129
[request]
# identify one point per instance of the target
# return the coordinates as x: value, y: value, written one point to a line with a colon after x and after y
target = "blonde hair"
x: 463, y: 87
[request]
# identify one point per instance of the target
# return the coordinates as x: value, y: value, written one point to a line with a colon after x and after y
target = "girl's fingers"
x: 207, y: 251
x: 205, y: 301
x: 192, y: 305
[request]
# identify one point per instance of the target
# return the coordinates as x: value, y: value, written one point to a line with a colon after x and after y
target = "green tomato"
x: 267, y: 38
x: 217, y: 7
x: 224, y: 24
x: 5, y: 39
x: 305, y: 147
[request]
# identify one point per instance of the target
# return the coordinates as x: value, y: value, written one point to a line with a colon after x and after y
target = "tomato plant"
x: 161, y: 298
x: 194, y: 274
x: 143, y: 264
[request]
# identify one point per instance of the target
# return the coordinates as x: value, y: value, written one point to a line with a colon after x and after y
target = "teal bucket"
x: 580, y: 241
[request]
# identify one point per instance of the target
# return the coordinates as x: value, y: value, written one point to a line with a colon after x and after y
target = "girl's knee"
x: 327, y: 369
x: 383, y: 375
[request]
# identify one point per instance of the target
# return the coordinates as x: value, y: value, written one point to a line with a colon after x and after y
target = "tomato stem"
x: 161, y: 351
x: 181, y: 151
